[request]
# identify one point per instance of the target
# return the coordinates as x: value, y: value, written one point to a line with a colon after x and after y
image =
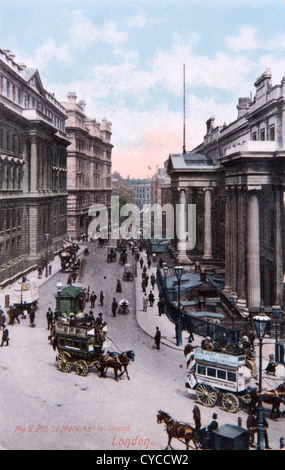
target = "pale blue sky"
x: 125, y: 59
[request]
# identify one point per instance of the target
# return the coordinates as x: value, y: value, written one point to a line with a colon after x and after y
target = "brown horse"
x: 116, y: 362
x: 175, y: 430
x: 271, y: 397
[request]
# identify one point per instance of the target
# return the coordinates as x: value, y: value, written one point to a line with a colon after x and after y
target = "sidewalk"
x: 33, y: 276
x: 150, y: 319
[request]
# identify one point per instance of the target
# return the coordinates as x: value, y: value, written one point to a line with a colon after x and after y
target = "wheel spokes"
x: 206, y: 395
x: 230, y: 402
x: 82, y: 368
x: 64, y: 363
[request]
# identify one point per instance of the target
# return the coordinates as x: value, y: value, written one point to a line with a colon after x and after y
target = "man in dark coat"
x: 114, y: 307
x: 5, y: 336
x: 157, y: 338
x: 93, y: 298
x: 49, y: 316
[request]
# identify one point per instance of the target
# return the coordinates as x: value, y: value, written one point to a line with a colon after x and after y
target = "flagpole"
x: 184, y: 125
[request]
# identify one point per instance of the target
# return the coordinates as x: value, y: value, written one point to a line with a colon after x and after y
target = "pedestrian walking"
x: 101, y: 298
x: 161, y: 306
x: 2, y: 318
x: 146, y: 279
x: 141, y: 262
x: 32, y: 314
x: 114, y: 307
x: 197, y: 417
x: 145, y: 302
x: 5, y: 336
x: 93, y: 298
x: 143, y: 284
x: 157, y: 338
x: 10, y: 313
x: 151, y: 299
x: 119, y: 287
x: 49, y: 317
x: 16, y: 315
x: 152, y: 280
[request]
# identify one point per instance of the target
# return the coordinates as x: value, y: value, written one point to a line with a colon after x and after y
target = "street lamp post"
x: 59, y: 289
x: 276, y: 310
x: 178, y: 272
x: 47, y: 236
x: 233, y: 301
x: 260, y: 322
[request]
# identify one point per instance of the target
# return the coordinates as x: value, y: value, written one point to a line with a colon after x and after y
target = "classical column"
x: 207, y: 223
x: 34, y: 170
x: 278, y: 252
x: 234, y: 239
x: 181, y: 227
x: 228, y: 278
x: 241, y: 248
x: 253, y: 254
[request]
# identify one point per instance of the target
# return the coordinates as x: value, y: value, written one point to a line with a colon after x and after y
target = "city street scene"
x: 142, y: 223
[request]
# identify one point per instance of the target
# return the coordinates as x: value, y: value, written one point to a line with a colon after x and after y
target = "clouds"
x: 142, y: 20
x: 125, y: 59
x: 245, y: 40
x: 83, y: 33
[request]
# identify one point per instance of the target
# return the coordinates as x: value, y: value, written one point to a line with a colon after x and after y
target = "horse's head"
x: 159, y: 417
x: 162, y: 417
x: 130, y: 355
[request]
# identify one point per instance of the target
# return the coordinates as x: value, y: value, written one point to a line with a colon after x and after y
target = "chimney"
x: 71, y: 97
x: 243, y: 105
x: 82, y: 104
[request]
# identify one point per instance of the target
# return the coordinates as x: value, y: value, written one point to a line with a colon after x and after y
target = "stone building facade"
x: 33, y: 169
x: 89, y: 165
x: 241, y: 190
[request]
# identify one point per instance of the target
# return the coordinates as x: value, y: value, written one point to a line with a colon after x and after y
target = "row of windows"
x: 10, y: 141
x: 11, y: 177
x: 262, y: 134
x: 11, y: 245
x: 217, y: 373
x: 11, y: 218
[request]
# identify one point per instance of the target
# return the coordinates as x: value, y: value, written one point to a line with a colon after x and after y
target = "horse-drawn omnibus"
x: 83, y: 347
x: 218, y: 374
x: 77, y: 345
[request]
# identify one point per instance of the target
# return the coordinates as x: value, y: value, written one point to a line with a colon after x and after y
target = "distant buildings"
x: 142, y: 192
x: 236, y: 177
x: 89, y: 162
x: 33, y: 168
x: 122, y: 189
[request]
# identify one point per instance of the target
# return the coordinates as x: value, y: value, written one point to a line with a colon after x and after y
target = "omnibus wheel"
x: 63, y: 362
x: 230, y: 402
x: 82, y: 368
x: 206, y: 395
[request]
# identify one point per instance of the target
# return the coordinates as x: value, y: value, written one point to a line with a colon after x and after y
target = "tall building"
x: 33, y: 170
x: 89, y: 165
x: 142, y: 192
x: 237, y: 179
